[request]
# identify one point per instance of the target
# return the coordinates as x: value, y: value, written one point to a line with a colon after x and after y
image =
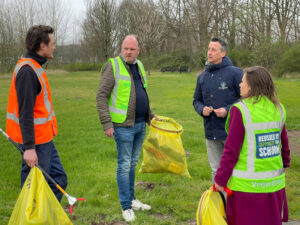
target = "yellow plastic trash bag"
x: 37, y: 205
x: 211, y: 209
x: 162, y: 150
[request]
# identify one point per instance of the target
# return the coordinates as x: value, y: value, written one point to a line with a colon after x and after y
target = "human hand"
x: 221, y: 112
x: 218, y: 187
x: 109, y: 132
x: 207, y: 110
x: 30, y: 157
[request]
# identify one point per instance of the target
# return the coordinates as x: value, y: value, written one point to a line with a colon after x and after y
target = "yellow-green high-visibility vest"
x: 259, y: 168
x: 119, y: 98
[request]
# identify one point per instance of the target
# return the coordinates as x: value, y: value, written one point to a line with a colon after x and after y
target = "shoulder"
x: 107, y: 67
x: 235, y: 109
x: 26, y: 73
x: 235, y: 70
x: 201, y: 75
x: 236, y: 113
x: 107, y: 72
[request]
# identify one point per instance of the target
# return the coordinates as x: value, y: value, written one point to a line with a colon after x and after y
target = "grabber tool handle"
x: 226, y: 189
x: 14, y: 143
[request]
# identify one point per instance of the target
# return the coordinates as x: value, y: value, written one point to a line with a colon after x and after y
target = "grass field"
x: 89, y: 157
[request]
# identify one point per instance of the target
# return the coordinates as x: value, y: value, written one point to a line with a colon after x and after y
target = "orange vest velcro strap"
x: 44, y: 119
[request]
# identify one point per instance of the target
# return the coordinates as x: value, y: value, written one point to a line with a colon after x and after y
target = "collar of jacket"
x: 225, y: 62
x: 40, y: 60
x: 124, y: 60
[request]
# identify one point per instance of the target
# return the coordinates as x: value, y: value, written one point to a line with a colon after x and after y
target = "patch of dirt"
x: 67, y: 210
x: 163, y: 185
x: 102, y: 216
x: 145, y: 185
x: 189, y: 222
x: 187, y: 154
x: 294, y: 141
x: 115, y: 222
x: 161, y: 216
x: 103, y: 222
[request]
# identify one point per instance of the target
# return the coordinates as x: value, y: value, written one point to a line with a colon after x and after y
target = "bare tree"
x: 99, y: 29
x: 148, y: 27
x: 7, y: 42
x: 56, y: 14
x: 285, y: 10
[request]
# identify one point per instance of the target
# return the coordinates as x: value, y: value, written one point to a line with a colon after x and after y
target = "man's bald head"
x: 130, y: 48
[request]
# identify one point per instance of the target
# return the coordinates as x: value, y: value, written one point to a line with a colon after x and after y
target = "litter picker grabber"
x: 71, y: 200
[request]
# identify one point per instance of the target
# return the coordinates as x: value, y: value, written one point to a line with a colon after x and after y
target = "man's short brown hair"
x: 36, y: 35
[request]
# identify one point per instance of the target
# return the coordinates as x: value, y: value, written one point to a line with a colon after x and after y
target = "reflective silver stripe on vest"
x: 118, y: 77
x: 37, y: 121
x: 250, y: 128
x: 39, y: 72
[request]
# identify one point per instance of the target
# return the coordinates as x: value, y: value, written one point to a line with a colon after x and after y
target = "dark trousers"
x: 49, y: 160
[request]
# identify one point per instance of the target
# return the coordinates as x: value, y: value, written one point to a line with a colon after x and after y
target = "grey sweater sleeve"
x: 105, y: 88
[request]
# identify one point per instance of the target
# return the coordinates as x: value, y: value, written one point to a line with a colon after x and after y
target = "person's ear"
x: 42, y: 45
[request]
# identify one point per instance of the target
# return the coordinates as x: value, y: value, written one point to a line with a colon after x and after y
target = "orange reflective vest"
x: 45, y: 126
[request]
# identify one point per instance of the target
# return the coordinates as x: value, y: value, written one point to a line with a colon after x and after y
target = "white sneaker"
x: 128, y: 215
x: 138, y: 205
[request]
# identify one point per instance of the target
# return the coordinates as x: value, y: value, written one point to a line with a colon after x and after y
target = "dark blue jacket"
x: 217, y: 86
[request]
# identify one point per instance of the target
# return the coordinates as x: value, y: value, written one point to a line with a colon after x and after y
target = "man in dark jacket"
x: 216, y: 90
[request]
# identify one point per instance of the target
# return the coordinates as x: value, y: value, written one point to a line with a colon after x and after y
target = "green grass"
x: 89, y: 157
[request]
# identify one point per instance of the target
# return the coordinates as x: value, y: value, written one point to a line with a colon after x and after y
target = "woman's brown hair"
x: 261, y: 83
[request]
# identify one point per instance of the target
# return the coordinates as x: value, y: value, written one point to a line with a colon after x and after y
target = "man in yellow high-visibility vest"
x: 124, y: 110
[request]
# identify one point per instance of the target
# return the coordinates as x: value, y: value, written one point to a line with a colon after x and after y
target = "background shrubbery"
x: 289, y: 60
x: 71, y: 67
x: 277, y: 57
x: 82, y: 67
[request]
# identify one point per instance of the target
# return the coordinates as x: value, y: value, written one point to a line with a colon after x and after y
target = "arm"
x: 105, y: 88
x: 285, y: 150
x: 27, y: 87
x: 233, y: 144
x: 198, y: 103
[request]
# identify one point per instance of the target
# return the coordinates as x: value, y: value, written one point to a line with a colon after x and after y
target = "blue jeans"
x: 129, y: 141
x: 49, y: 160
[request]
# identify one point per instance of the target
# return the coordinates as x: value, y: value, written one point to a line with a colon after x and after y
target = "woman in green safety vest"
x: 256, y: 154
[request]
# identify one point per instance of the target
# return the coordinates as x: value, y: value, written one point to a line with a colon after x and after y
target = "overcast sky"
x: 78, y: 6
x: 78, y: 10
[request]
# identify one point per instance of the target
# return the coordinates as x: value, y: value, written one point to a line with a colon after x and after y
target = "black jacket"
x: 217, y: 86
x: 28, y: 87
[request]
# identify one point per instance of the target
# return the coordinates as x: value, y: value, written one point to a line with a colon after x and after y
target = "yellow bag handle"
x: 169, y: 121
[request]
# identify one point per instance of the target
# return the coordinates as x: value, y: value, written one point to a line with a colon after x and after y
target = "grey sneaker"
x: 128, y: 215
x: 138, y: 205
